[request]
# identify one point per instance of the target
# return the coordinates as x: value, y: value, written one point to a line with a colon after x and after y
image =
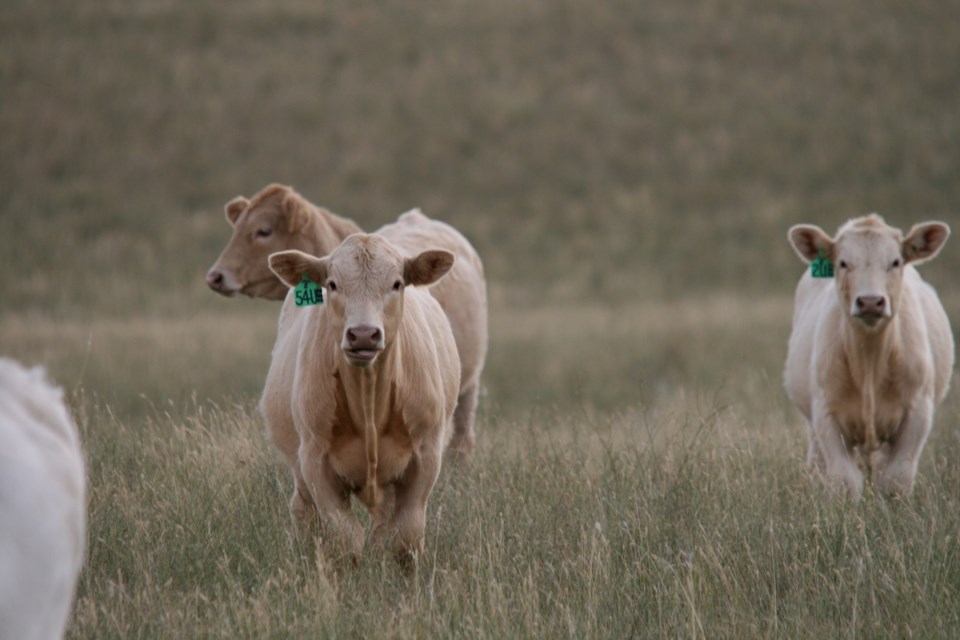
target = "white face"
x: 365, y: 278
x: 869, y: 259
x: 364, y: 283
x: 868, y: 267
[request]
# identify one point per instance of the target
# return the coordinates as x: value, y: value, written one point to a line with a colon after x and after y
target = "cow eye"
x: 896, y: 263
x: 843, y: 264
x: 264, y: 232
x: 331, y: 285
x: 397, y: 285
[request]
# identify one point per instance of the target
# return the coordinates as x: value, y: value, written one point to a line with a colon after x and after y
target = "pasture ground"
x: 686, y: 513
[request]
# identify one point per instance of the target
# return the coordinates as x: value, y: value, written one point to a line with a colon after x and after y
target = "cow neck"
x: 868, y: 355
x: 368, y: 389
x: 325, y: 230
x: 368, y: 386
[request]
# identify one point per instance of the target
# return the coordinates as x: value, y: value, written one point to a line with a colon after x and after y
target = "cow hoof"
x: 409, y: 561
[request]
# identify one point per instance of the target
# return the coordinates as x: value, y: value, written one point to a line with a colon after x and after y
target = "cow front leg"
x: 403, y: 532
x: 301, y: 502
x: 814, y: 456
x: 838, y: 465
x: 332, y: 499
x: 897, y: 472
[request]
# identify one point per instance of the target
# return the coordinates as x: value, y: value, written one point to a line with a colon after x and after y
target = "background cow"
x: 362, y: 388
x: 278, y: 218
x: 42, y: 505
x: 871, y: 352
x: 275, y: 219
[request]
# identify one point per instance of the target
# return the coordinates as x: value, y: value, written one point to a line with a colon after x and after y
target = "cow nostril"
x: 215, y: 278
x: 363, y: 337
x: 871, y: 303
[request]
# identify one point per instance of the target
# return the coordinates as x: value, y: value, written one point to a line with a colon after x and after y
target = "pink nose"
x: 871, y: 305
x: 215, y: 280
x: 364, y: 337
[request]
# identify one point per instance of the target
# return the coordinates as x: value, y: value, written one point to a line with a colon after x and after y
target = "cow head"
x: 365, y: 278
x: 869, y: 259
x: 270, y: 222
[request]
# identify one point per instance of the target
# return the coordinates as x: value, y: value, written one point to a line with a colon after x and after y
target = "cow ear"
x: 810, y: 241
x: 291, y: 266
x: 427, y: 268
x: 924, y: 241
x: 296, y: 211
x: 234, y: 208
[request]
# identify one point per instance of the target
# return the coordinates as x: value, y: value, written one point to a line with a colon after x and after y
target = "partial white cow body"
x: 871, y: 352
x: 42, y: 506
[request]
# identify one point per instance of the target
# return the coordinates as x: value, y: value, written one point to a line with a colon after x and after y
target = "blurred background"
x: 627, y: 171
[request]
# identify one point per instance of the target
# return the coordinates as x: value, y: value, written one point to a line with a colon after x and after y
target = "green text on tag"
x: 821, y: 267
x: 308, y: 292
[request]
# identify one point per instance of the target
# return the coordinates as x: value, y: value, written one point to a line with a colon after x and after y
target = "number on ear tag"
x: 821, y: 267
x: 308, y: 292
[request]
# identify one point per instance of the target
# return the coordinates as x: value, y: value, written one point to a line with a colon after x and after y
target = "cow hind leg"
x: 461, y: 445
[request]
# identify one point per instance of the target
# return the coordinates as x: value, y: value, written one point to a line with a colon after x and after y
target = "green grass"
x: 627, y: 171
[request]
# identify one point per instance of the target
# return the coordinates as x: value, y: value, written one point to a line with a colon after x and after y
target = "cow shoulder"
x: 429, y: 360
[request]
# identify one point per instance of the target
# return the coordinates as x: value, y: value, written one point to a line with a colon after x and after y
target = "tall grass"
x: 602, y: 504
x: 690, y: 522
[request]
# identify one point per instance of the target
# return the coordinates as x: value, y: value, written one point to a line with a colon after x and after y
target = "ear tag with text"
x: 821, y: 267
x: 308, y: 292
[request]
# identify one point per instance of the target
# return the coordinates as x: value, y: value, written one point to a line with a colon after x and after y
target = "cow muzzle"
x: 362, y: 344
x: 871, y: 309
x: 221, y: 282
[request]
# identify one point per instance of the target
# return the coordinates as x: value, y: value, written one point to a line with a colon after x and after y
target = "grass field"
x: 627, y: 171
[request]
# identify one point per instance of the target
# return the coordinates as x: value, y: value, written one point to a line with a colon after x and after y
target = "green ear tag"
x: 308, y: 292
x: 821, y: 267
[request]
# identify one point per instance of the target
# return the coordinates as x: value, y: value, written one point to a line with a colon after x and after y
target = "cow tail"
x: 367, y: 385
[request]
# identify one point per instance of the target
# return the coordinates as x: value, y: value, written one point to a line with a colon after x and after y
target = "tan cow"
x: 42, y: 505
x: 362, y: 388
x: 871, y: 352
x: 278, y: 218
x: 275, y: 219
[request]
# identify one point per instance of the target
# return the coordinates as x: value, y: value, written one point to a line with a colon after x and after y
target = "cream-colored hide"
x: 361, y: 390
x: 871, y: 352
x: 462, y: 294
x: 42, y: 506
